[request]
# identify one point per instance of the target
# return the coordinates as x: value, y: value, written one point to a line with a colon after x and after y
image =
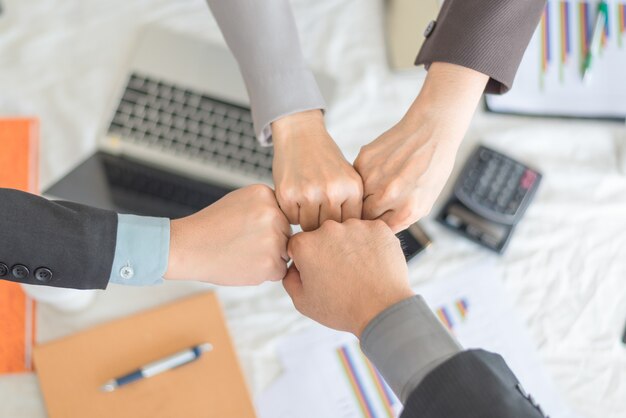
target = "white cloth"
x: 566, y: 266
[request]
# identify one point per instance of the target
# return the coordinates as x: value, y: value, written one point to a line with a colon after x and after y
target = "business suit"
x: 487, y: 35
x: 76, y: 244
x: 472, y: 384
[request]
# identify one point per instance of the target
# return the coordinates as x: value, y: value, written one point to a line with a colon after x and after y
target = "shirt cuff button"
x: 127, y: 272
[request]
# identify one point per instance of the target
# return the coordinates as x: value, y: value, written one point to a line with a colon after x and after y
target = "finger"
x: 391, y: 219
x: 284, y: 227
x: 283, y: 248
x: 280, y: 271
x: 310, y: 216
x: 290, y: 209
x: 330, y: 211
x: 293, y: 246
x: 403, y: 215
x: 293, y: 284
x: 352, y: 208
x: 374, y: 207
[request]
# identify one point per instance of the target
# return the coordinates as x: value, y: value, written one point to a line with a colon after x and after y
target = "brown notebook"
x: 19, y: 141
x: 71, y: 370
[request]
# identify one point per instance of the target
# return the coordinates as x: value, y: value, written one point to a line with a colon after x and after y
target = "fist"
x: 345, y: 274
x: 239, y: 240
x: 314, y: 182
x: 404, y: 171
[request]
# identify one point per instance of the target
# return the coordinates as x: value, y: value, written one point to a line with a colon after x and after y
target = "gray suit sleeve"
x: 73, y: 243
x: 489, y: 36
x: 405, y: 342
x: 263, y: 37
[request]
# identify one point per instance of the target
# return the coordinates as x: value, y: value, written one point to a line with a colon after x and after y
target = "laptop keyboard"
x: 176, y: 195
x: 191, y: 125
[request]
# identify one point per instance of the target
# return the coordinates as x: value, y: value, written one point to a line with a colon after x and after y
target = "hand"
x: 314, y: 182
x: 239, y: 240
x: 344, y: 275
x: 405, y: 169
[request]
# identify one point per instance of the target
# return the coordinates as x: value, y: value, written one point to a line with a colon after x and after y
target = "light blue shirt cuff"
x: 142, y: 250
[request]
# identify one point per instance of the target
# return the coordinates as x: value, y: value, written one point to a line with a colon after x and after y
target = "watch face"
x: 413, y: 241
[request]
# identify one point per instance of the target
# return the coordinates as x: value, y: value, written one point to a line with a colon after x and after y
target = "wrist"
x: 306, y: 124
x: 175, y: 255
x: 450, y: 92
x: 376, y: 308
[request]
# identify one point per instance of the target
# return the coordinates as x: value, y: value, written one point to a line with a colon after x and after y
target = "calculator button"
x: 528, y: 179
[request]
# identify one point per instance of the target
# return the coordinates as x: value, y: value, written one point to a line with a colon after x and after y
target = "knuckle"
x: 295, y: 242
x: 352, y: 222
x: 269, y: 266
x: 311, y: 194
x: 379, y: 225
x: 262, y: 192
x: 278, y: 271
x: 331, y: 225
x: 393, y: 190
x: 268, y: 215
x: 286, y: 195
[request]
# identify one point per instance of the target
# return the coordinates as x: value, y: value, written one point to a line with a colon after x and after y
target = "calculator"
x: 413, y: 241
x: 490, y: 198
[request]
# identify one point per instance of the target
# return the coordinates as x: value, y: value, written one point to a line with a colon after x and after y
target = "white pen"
x: 158, y: 367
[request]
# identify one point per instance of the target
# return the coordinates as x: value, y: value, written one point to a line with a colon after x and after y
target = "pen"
x: 596, y: 37
x: 159, y: 366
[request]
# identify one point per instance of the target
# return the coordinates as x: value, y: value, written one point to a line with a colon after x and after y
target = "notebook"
x: 18, y: 170
x: 71, y: 370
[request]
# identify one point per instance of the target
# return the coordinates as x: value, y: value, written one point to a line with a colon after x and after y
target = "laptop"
x: 178, y: 134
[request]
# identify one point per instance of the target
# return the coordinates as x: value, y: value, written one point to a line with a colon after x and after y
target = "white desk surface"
x: 566, y: 266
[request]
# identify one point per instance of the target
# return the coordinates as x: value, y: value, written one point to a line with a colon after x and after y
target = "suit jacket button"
x: 20, y: 271
x: 43, y: 274
x: 430, y: 28
x: 4, y: 270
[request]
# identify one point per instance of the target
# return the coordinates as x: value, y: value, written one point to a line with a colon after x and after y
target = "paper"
x: 473, y: 305
x: 326, y: 375
x: 476, y: 308
x: 549, y: 79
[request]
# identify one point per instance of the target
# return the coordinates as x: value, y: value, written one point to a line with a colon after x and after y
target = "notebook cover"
x: 18, y: 170
x: 71, y: 370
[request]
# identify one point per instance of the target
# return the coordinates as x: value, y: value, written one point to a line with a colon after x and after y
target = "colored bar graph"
x: 607, y: 31
x: 545, y: 39
x: 367, y: 385
x: 568, y: 25
x: 381, y: 387
x: 565, y: 32
x: 621, y: 23
x: 453, y: 315
x: 584, y: 29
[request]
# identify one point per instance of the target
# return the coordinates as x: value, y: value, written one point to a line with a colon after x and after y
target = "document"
x: 326, y: 375
x: 550, y: 81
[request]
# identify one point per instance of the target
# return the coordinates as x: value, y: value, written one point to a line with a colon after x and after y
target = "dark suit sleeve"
x: 489, y: 36
x: 472, y: 384
x: 75, y: 243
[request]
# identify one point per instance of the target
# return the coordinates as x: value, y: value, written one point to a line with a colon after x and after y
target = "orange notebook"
x: 18, y: 170
x: 71, y: 370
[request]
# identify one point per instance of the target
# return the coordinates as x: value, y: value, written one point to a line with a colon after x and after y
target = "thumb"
x: 293, y: 284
